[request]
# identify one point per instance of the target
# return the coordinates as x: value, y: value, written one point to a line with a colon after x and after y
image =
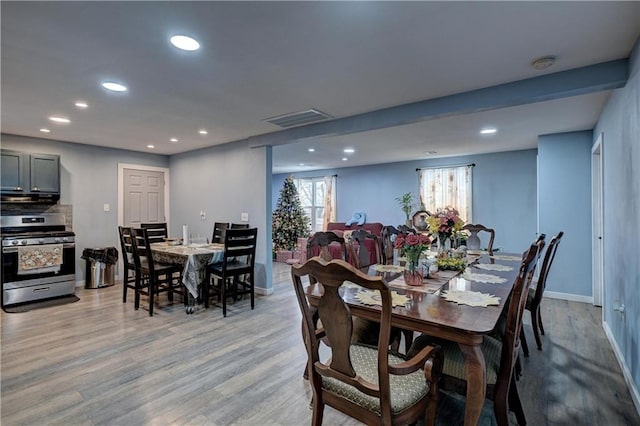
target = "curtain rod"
x: 446, y: 167
x: 313, y: 177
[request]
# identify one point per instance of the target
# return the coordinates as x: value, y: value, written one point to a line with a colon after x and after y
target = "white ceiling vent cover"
x: 298, y: 118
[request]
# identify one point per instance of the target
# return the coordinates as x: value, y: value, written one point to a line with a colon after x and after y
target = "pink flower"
x: 399, y: 242
x: 412, y: 239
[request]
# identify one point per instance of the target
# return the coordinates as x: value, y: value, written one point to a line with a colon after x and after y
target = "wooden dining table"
x: 194, y: 257
x: 427, y: 311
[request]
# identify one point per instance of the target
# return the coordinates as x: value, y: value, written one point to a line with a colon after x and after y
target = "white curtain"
x: 447, y: 187
x: 329, y: 201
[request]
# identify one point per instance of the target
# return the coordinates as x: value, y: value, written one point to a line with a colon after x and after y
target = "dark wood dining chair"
x: 534, y: 298
x: 364, y: 249
x: 404, y: 229
x: 500, y: 354
x: 367, y: 383
x: 157, y: 231
x: 473, y: 241
x: 153, y: 278
x: 386, y: 243
x: 235, y: 274
x: 239, y: 226
x: 219, y: 229
x: 126, y: 247
x: 318, y: 245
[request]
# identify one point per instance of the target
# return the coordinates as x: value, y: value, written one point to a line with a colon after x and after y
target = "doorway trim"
x: 597, y: 221
x: 121, y: 167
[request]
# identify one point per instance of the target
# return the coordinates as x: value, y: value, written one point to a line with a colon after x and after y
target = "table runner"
x: 431, y: 285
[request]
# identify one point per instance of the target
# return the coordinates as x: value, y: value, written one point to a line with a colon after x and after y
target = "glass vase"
x: 413, y: 273
x: 444, y: 243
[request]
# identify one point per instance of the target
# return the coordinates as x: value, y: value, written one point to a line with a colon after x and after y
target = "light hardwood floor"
x: 98, y: 361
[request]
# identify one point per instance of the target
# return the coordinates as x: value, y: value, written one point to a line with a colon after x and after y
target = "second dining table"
x: 461, y: 308
x: 194, y: 257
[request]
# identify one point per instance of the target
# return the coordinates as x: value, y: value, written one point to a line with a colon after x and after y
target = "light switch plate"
x: 106, y: 207
x: 244, y: 217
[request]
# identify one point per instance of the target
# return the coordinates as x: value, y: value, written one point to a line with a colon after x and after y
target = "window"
x: 447, y: 187
x: 317, y: 197
x: 311, y: 192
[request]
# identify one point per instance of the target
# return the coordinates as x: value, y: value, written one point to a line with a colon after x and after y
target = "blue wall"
x: 564, y: 184
x: 620, y: 125
x: 504, y: 192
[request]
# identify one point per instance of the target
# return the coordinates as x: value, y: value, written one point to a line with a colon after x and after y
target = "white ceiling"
x: 263, y: 59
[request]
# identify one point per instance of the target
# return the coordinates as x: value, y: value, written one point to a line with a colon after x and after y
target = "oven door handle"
x: 15, y: 249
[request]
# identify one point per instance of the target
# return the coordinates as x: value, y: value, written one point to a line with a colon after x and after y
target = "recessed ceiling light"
x: 82, y: 104
x: 185, y: 43
x: 114, y: 87
x: 349, y: 150
x: 202, y: 131
x: 488, y: 131
x: 344, y: 158
x: 302, y: 164
x: 430, y: 152
x: 45, y: 130
x: 311, y: 150
x: 174, y: 140
x: 151, y: 146
x: 543, y: 62
x: 62, y: 120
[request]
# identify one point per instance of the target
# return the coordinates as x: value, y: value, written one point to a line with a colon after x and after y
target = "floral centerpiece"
x: 445, y: 222
x: 451, y: 263
x: 411, y: 247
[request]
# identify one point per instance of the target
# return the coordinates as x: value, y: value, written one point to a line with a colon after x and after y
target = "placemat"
x: 476, y: 252
x: 483, y: 278
x: 388, y: 268
x: 493, y: 267
x: 371, y: 297
x: 505, y: 257
x: 471, y: 298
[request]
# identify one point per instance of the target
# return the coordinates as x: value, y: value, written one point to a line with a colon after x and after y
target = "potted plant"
x: 406, y: 203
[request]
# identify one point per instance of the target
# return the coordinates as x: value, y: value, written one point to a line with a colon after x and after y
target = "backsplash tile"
x: 21, y: 209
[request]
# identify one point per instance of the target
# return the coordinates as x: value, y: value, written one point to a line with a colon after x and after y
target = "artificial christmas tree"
x: 289, y: 220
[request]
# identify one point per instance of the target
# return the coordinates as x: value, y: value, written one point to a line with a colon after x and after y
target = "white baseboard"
x: 633, y: 390
x: 568, y: 296
x: 80, y: 283
x: 263, y: 291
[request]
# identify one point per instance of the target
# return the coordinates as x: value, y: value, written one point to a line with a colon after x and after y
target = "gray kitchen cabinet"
x: 24, y: 173
x: 14, y: 172
x: 45, y: 173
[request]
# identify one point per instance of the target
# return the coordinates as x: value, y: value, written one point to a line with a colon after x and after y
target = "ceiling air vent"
x: 298, y: 118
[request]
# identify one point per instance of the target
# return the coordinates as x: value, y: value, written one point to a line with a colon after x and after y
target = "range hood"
x: 32, y: 198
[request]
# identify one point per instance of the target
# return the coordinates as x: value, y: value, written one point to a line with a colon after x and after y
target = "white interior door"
x: 597, y: 199
x: 143, y: 197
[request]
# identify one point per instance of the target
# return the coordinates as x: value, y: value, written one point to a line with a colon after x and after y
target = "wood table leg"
x: 476, y: 383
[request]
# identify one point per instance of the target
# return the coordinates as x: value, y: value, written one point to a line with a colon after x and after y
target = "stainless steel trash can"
x: 101, y: 274
x: 100, y: 266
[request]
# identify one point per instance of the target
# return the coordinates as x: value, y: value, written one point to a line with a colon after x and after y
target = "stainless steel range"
x: 38, y: 258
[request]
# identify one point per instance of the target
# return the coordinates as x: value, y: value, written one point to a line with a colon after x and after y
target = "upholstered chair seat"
x: 406, y: 390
